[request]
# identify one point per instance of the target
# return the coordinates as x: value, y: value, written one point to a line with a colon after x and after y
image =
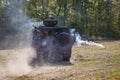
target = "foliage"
x: 89, y: 17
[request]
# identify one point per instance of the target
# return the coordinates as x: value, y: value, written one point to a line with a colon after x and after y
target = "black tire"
x: 64, y: 40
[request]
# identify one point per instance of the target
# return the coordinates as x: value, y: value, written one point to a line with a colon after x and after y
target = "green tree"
x: 89, y: 17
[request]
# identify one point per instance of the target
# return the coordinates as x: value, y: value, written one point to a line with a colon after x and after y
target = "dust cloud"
x: 20, y: 52
x: 19, y: 61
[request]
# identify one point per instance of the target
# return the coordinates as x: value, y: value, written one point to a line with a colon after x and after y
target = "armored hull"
x: 52, y: 43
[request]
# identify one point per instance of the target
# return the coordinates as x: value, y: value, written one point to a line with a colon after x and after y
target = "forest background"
x: 98, y: 18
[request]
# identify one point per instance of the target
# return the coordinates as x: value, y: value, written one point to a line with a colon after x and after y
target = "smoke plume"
x: 21, y: 24
x: 79, y: 41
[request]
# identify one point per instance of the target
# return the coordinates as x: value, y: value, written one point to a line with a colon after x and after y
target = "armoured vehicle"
x: 52, y: 42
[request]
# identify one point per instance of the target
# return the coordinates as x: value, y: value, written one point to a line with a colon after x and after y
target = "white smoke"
x: 79, y: 41
x: 22, y: 54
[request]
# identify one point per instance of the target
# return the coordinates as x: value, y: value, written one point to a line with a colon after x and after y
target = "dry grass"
x: 88, y: 63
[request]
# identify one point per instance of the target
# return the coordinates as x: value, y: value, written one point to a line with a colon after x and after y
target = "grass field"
x: 88, y: 63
